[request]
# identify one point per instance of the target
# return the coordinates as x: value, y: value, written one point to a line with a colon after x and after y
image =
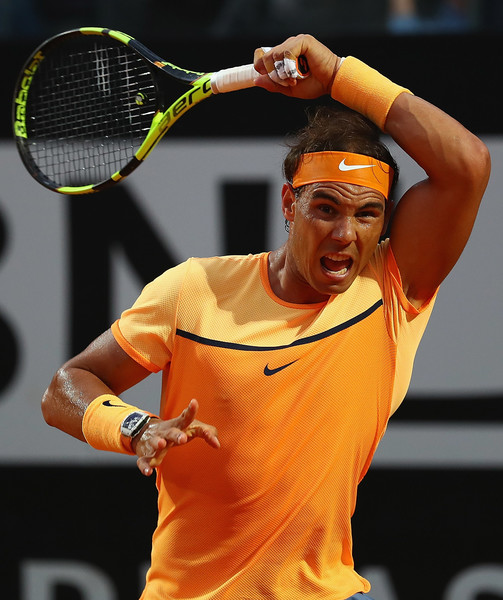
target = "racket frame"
x: 200, y: 87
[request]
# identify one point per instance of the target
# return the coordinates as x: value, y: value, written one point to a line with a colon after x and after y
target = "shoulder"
x: 220, y: 269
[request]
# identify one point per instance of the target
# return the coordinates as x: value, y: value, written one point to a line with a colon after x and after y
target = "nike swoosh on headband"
x: 319, y: 167
x: 344, y: 167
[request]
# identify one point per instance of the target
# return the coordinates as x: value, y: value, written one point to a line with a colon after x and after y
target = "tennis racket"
x: 90, y: 105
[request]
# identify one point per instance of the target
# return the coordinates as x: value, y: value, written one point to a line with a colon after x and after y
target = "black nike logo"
x: 108, y: 403
x: 268, y: 371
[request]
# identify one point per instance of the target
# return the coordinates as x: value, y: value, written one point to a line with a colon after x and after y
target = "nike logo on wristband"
x: 268, y: 371
x: 108, y: 403
x: 344, y: 167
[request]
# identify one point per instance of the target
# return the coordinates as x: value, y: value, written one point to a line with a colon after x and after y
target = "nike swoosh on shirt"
x: 268, y: 371
x: 108, y: 403
x: 344, y: 167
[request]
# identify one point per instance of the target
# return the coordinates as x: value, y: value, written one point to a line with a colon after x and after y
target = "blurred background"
x: 223, y: 19
x: 76, y: 524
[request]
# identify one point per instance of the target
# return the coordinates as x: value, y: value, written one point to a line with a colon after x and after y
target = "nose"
x: 344, y: 230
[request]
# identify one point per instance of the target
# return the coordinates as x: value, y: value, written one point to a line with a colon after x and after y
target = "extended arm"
x: 104, y: 368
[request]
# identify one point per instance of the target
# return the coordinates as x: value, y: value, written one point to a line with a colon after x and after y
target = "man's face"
x: 334, y: 230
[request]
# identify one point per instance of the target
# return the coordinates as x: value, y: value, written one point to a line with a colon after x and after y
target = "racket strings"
x: 91, y: 111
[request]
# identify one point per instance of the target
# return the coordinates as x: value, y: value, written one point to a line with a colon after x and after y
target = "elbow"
x: 47, y: 411
x: 49, y: 403
x: 477, y: 164
x: 61, y: 405
x: 487, y: 161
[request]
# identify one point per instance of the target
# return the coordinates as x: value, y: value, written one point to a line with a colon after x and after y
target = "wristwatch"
x: 133, y: 424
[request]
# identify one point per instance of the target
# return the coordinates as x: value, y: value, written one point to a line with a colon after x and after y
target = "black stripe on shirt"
x: 308, y: 340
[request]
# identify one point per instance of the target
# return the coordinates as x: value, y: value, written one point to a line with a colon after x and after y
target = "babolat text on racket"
x: 91, y: 103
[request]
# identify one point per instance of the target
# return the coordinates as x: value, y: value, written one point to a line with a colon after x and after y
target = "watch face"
x: 133, y: 419
x: 133, y: 423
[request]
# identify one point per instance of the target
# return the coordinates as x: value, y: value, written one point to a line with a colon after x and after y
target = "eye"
x: 368, y: 215
x: 326, y: 209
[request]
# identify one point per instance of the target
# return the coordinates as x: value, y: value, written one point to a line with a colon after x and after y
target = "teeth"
x: 334, y: 258
x: 341, y: 272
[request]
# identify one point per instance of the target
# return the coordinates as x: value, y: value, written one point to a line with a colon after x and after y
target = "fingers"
x: 266, y: 83
x: 160, y: 436
x: 207, y: 432
x: 157, y: 460
x: 282, y: 69
x: 187, y: 416
x: 186, y: 427
x: 266, y: 57
x: 159, y: 446
x: 282, y: 64
x: 153, y: 455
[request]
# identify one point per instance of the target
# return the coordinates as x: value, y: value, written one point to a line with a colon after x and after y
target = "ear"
x: 288, y: 202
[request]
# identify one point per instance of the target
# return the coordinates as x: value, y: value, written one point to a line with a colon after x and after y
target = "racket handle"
x: 235, y: 78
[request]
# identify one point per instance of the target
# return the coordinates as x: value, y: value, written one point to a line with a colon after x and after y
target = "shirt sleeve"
x: 406, y: 323
x: 146, y: 331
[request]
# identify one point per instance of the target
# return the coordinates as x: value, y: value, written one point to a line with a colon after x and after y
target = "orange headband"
x: 344, y: 167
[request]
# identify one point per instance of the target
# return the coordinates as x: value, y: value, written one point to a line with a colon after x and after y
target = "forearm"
x: 102, y: 368
x: 449, y: 153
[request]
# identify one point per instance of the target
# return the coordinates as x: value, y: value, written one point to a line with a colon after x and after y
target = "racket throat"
x: 163, y: 121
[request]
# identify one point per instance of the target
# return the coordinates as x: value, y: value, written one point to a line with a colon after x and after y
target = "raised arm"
x: 434, y: 219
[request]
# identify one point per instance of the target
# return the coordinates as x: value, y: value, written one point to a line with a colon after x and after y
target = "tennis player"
x: 293, y: 360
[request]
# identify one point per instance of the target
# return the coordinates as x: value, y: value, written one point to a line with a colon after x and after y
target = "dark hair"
x: 337, y: 129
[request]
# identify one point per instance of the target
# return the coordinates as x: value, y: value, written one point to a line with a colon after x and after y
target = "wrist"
x: 337, y: 65
x: 109, y: 423
x: 135, y: 440
x: 362, y: 88
x: 132, y: 425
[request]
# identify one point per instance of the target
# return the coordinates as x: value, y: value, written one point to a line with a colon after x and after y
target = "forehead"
x: 343, y: 194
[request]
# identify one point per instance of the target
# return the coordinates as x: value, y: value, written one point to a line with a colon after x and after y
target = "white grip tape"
x: 235, y: 78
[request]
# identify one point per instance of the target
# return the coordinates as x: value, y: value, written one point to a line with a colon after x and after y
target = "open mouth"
x: 336, y: 266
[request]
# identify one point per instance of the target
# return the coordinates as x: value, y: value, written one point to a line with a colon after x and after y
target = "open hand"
x: 152, y: 445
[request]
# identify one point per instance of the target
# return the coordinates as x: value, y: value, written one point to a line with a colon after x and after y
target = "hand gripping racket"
x: 90, y: 104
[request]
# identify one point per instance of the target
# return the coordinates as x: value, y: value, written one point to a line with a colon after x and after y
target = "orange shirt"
x: 300, y: 395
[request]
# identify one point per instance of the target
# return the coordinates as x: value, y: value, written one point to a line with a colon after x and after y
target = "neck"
x: 285, y: 285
